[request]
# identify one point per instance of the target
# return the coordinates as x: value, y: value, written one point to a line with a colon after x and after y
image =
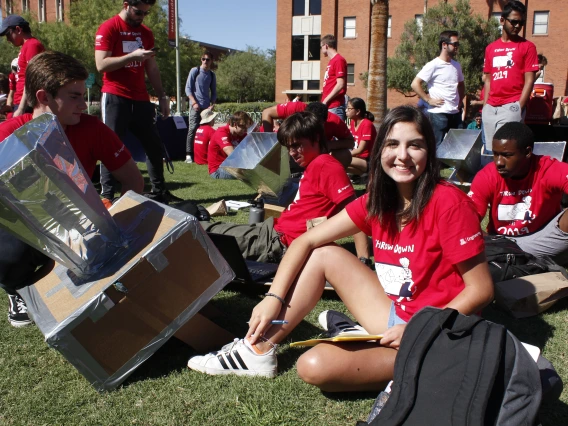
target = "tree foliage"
x: 78, y: 40
x: 247, y: 76
x: 419, y: 46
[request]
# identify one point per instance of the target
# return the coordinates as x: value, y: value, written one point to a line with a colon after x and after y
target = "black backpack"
x: 453, y: 369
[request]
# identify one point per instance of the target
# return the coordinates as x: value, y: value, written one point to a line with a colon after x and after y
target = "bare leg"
x: 342, y: 155
x: 358, y: 166
x: 347, y: 367
x: 563, y: 222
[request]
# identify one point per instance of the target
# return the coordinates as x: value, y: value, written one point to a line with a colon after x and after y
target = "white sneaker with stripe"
x: 237, y: 357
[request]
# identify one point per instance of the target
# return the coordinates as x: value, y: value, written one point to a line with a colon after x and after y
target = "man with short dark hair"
x: 524, y: 191
x: 446, y: 88
x: 125, y: 54
x: 17, y: 31
x: 510, y: 66
x: 476, y: 123
x: 201, y: 88
x: 334, y: 85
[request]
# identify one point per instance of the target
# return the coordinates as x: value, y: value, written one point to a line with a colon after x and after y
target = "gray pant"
x: 496, y: 116
x: 259, y: 242
x: 192, y: 126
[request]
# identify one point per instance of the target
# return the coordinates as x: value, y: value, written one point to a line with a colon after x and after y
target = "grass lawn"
x: 39, y: 387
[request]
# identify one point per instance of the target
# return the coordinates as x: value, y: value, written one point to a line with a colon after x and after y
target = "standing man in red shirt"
x: 335, y: 78
x: 510, y: 66
x: 124, y: 53
x: 17, y: 31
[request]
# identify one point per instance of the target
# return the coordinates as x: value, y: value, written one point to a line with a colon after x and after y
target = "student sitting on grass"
x: 428, y: 251
x: 364, y: 133
x: 203, y: 135
x: 224, y: 142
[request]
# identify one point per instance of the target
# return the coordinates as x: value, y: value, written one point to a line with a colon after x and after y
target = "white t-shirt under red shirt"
x: 202, y: 137
x: 365, y: 132
x: 116, y: 36
x: 221, y: 138
x: 506, y: 64
x: 323, y: 186
x: 520, y: 206
x: 336, y: 68
x: 416, y: 267
x: 443, y: 78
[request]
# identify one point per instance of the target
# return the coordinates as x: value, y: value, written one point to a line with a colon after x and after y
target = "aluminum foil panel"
x: 48, y: 200
x: 552, y: 149
x: 461, y: 149
x: 260, y: 162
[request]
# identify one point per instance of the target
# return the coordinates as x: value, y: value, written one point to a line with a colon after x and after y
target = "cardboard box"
x: 109, y: 326
x: 271, y: 210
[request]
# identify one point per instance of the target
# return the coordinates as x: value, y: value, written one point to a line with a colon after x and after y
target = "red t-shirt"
x: 220, y: 139
x: 31, y: 47
x: 334, y: 126
x: 116, y: 36
x: 524, y: 206
x: 91, y: 139
x: 323, y: 186
x: 365, y: 132
x: 336, y: 68
x: 416, y: 267
x: 506, y: 64
x: 201, y: 145
x: 12, y: 81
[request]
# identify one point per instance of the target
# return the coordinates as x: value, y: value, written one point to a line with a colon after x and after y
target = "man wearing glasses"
x: 201, y: 88
x: 17, y: 31
x: 510, y: 66
x: 124, y: 53
x: 446, y: 88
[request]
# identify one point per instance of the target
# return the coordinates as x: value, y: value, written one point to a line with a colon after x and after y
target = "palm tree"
x: 377, y: 82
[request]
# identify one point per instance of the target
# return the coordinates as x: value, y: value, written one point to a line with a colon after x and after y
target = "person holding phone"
x: 125, y: 54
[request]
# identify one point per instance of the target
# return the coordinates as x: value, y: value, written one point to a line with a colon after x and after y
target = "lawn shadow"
x: 207, y: 201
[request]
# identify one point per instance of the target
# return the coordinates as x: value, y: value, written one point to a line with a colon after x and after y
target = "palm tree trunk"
x: 377, y: 83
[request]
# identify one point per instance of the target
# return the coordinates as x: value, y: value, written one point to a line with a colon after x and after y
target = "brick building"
x: 301, y: 23
x: 43, y: 10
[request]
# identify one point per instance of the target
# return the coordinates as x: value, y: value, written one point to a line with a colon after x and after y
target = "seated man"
x: 224, y: 141
x: 339, y: 138
x: 203, y: 135
x: 324, y: 190
x: 523, y: 191
x: 55, y: 83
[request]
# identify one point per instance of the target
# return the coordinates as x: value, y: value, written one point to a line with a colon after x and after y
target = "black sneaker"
x: 18, y: 311
x: 164, y: 197
x: 336, y: 323
x: 171, y: 198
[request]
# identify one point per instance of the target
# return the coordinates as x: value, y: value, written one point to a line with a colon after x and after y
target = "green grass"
x: 39, y: 387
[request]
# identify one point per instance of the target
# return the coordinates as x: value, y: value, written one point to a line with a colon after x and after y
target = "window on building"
x: 25, y: 5
x: 297, y: 84
x: 315, y: 7
x: 59, y: 10
x: 389, y: 27
x: 497, y: 17
x: 350, y: 73
x: 299, y: 8
x: 313, y: 84
x: 540, y: 25
x: 298, y: 48
x: 314, y: 47
x: 41, y: 11
x: 419, y: 20
x: 349, y: 27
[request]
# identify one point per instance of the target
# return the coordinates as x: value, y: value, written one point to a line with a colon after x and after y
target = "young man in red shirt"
x: 524, y: 192
x: 203, y: 135
x: 124, y: 54
x: 324, y: 190
x: 55, y: 83
x: 334, y: 85
x: 17, y: 31
x: 510, y: 66
x: 224, y: 141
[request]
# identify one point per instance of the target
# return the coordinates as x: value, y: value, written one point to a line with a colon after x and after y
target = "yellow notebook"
x: 340, y: 338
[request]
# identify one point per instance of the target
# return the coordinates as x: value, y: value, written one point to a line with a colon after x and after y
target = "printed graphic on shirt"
x: 519, y: 211
x: 504, y: 61
x: 397, y: 280
x: 131, y: 45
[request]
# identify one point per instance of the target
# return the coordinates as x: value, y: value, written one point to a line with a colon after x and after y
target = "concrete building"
x: 44, y: 10
x: 301, y: 23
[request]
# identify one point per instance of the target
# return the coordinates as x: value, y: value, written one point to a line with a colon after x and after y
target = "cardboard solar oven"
x: 47, y: 199
x: 260, y: 162
x: 461, y: 149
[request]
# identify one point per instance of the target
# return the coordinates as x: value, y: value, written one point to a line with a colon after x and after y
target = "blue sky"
x: 230, y: 23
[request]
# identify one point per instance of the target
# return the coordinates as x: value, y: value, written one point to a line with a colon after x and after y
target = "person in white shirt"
x: 446, y: 87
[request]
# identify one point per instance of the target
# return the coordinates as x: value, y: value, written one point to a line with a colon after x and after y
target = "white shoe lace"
x: 21, y: 305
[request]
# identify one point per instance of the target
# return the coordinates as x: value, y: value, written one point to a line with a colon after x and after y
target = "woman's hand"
x: 261, y: 317
x: 391, y: 337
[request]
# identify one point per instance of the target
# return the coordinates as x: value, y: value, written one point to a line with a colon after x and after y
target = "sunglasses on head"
x: 139, y: 12
x: 515, y: 22
x: 205, y: 59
